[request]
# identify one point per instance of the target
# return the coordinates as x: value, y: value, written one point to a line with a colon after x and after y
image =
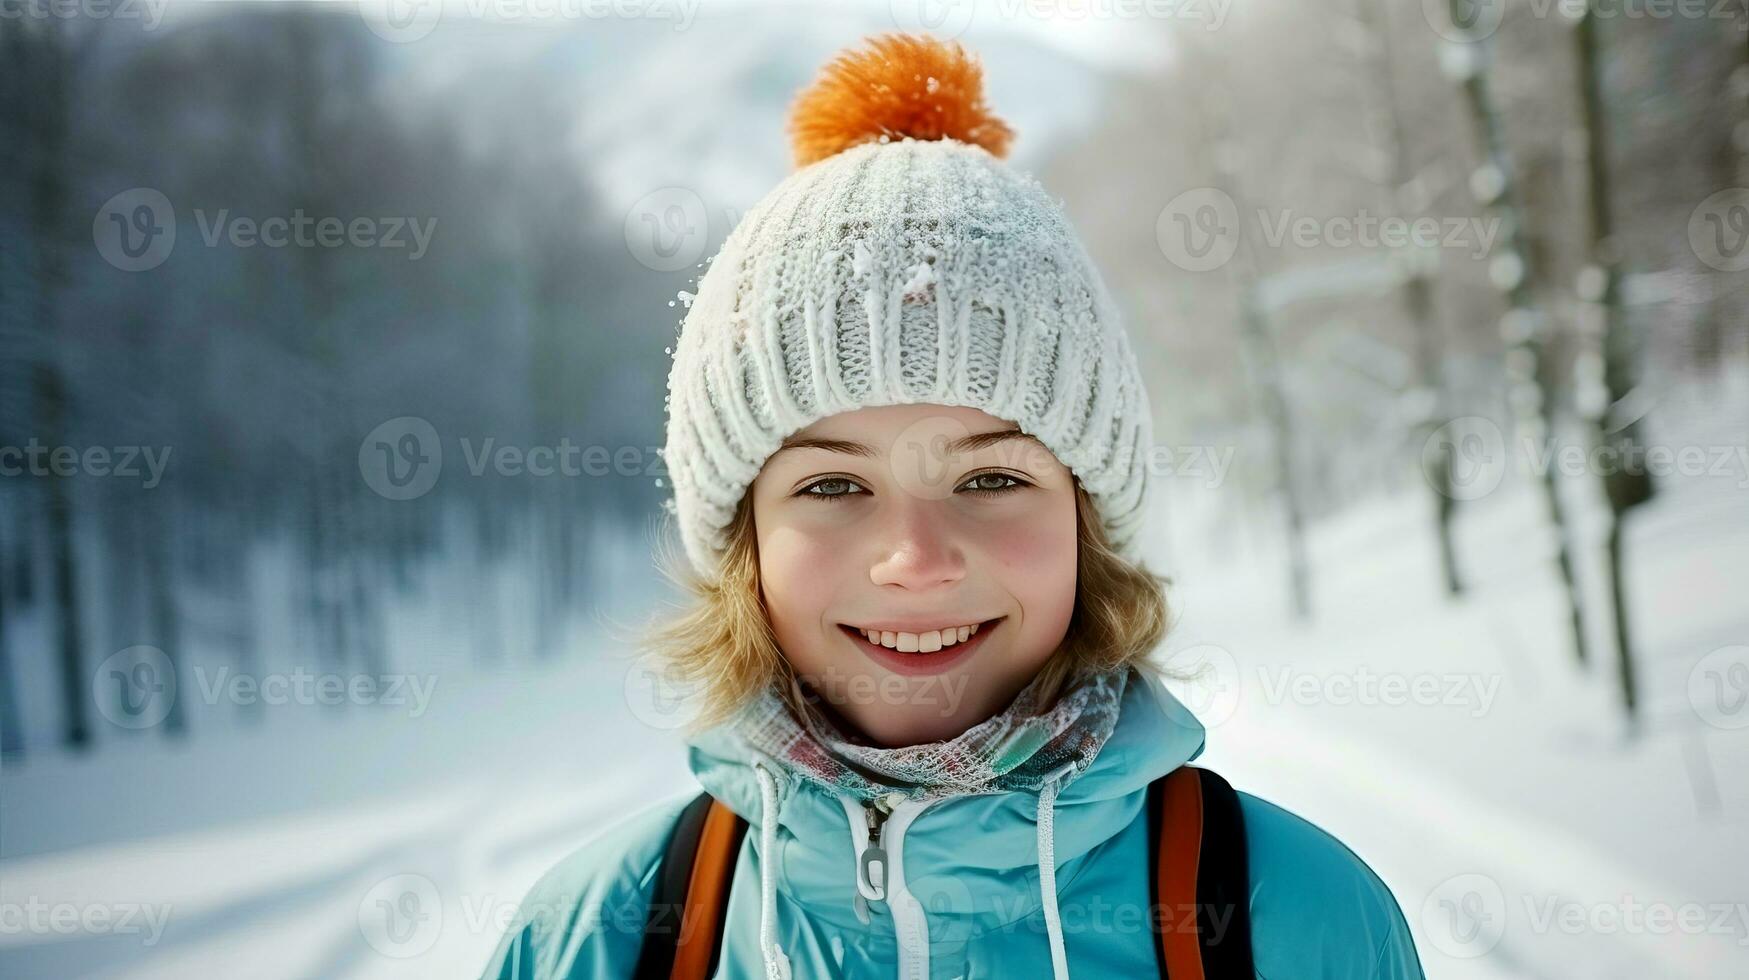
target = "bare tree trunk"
x: 1417, y: 289
x: 1625, y: 487
x: 1259, y: 346
x: 1530, y: 383
x: 11, y: 732
x: 159, y: 535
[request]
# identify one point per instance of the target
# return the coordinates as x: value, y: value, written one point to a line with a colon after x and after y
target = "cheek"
x: 800, y: 574
x: 1037, y: 556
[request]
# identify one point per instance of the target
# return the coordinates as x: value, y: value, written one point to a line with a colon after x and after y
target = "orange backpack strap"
x: 1200, y: 885
x: 683, y: 929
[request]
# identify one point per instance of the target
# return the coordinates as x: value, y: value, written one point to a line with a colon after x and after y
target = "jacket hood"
x: 973, y: 861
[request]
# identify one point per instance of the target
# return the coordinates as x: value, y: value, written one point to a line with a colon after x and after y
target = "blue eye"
x: 837, y: 488
x: 809, y: 490
x: 1014, y: 483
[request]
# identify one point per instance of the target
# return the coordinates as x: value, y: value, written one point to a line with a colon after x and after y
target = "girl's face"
x: 914, y: 521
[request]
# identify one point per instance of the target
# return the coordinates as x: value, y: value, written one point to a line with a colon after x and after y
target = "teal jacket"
x: 964, y: 893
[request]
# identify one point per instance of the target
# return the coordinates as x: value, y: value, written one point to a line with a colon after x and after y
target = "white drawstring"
x: 1047, y: 876
x: 776, y: 963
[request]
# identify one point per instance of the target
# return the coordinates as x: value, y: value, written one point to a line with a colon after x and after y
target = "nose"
x: 918, y: 551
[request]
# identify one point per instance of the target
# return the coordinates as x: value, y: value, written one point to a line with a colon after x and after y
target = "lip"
x: 920, y: 664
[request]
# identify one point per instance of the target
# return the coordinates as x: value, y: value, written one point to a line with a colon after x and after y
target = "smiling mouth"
x: 929, y: 642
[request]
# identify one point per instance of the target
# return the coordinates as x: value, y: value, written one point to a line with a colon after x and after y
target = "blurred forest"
x: 1589, y: 144
x: 264, y: 369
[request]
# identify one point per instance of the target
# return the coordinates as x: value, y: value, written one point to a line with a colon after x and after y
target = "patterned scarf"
x: 1015, y: 749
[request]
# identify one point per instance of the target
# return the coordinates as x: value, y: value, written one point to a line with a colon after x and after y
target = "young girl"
x: 908, y: 442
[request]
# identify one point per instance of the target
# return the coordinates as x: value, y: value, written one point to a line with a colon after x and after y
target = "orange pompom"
x: 904, y: 85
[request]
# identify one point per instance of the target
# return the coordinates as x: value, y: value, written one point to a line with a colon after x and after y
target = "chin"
x: 892, y: 732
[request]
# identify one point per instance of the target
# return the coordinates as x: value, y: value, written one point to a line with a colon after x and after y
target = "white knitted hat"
x: 899, y: 271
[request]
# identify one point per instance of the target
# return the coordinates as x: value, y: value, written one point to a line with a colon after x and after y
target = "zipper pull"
x: 871, y: 864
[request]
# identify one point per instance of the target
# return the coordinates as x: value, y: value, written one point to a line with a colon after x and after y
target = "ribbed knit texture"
x: 904, y: 272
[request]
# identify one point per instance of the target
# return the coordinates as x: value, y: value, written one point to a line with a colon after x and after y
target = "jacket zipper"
x: 881, y: 877
x: 871, y: 862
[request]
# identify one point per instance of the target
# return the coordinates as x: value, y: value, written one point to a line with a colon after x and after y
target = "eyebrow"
x: 965, y: 444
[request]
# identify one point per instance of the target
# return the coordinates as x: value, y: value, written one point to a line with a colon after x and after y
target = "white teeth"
x: 926, y: 642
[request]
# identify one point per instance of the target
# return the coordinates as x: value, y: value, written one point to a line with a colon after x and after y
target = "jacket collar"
x: 989, y: 871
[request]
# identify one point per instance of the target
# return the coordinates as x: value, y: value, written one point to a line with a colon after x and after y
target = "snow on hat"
x: 902, y: 263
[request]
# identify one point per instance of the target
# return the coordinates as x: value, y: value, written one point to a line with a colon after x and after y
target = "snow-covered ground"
x: 1455, y: 745
x: 1458, y: 748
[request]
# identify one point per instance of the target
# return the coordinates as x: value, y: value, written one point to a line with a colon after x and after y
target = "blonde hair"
x: 720, y: 645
